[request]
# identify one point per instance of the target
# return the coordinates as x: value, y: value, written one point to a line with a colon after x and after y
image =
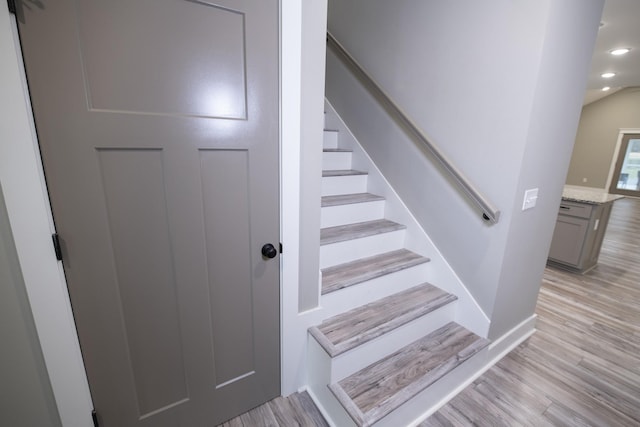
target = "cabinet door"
x: 568, y: 239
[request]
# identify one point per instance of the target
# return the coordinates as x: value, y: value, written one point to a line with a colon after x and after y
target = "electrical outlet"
x: 530, y: 199
x: 584, y: 179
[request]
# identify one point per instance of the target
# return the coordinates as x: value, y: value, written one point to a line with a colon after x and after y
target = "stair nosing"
x: 334, y: 173
x: 370, y: 273
x: 349, y: 199
x: 388, y: 227
x: 401, y: 396
x: 404, y: 317
x: 336, y: 150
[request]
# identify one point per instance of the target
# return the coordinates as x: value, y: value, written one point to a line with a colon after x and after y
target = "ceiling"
x: 620, y: 27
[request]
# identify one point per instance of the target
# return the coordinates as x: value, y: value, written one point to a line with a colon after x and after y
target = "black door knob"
x: 269, y: 251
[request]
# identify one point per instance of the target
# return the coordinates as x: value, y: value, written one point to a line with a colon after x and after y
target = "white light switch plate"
x: 530, y: 198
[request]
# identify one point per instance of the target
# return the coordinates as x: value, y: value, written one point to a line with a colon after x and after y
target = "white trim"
x: 303, y: 25
x: 321, y: 408
x: 31, y: 222
x: 290, y: 108
x: 616, y: 152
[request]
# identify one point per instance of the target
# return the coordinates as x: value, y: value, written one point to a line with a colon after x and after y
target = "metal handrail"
x: 489, y: 212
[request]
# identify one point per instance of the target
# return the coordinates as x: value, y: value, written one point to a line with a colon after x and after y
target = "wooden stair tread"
x: 378, y: 389
x: 357, y: 230
x: 351, y: 273
x: 362, y: 324
x: 349, y: 199
x: 342, y: 172
x: 337, y: 150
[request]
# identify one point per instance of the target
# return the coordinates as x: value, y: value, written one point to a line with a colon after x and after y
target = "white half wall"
x: 302, y: 105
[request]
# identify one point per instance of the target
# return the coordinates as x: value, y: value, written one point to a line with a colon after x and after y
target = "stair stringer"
x: 468, y: 312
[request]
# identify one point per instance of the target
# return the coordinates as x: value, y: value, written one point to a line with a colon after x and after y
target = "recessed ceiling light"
x: 619, y: 51
x: 607, y: 75
x: 606, y: 88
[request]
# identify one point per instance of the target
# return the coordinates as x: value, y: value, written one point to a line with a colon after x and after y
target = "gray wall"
x: 597, y: 135
x: 481, y: 79
x: 26, y: 399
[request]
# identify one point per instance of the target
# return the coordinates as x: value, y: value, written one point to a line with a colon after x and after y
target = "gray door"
x: 158, y: 126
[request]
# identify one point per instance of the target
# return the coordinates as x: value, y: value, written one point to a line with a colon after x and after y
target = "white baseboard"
x: 496, y: 351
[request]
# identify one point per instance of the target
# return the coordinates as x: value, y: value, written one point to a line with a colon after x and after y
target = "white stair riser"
x: 331, y: 216
x: 347, y: 184
x: 350, y: 250
x: 365, y: 354
x: 332, y: 160
x: 330, y: 139
x: 363, y: 293
x: 324, y: 399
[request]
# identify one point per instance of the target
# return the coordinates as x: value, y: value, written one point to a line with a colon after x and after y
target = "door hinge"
x: 56, y: 246
x: 94, y: 417
x: 281, y: 247
x: 11, y: 4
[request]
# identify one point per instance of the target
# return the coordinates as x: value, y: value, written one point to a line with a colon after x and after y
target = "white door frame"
x: 622, y: 132
x: 31, y: 222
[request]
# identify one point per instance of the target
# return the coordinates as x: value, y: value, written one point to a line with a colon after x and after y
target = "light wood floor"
x: 582, y: 366
x: 295, y: 410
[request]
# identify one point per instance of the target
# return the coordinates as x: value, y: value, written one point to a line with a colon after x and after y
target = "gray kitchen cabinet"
x: 578, y: 234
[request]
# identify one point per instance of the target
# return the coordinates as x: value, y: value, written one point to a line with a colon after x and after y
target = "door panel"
x: 228, y: 264
x: 140, y: 236
x: 158, y: 126
x: 125, y: 63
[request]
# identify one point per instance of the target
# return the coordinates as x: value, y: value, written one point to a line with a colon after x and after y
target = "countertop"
x: 593, y: 196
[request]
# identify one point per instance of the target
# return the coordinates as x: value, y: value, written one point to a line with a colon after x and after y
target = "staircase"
x: 389, y: 351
